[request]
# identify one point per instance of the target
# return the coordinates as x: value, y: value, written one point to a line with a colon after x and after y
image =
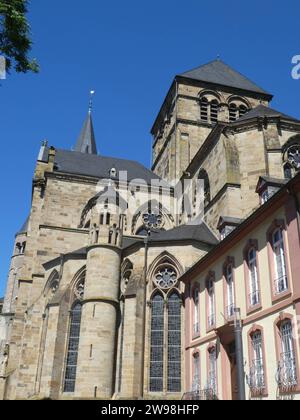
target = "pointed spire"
x: 86, y: 142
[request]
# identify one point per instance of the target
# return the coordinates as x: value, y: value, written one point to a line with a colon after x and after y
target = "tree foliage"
x: 15, y: 42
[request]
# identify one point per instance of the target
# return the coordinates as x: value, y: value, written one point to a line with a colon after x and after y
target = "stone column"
x: 97, y: 346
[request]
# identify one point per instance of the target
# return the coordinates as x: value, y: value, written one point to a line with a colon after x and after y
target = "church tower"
x: 196, y: 102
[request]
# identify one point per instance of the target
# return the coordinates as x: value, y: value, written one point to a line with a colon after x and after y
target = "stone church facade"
x: 95, y: 306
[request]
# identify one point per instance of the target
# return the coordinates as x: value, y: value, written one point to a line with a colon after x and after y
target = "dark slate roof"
x: 129, y: 241
x: 1, y: 300
x: 229, y: 220
x: 81, y: 251
x: 219, y: 73
x: 200, y: 233
x: 264, y: 111
x: 24, y: 228
x: 86, y: 142
x: 276, y: 181
x: 99, y: 166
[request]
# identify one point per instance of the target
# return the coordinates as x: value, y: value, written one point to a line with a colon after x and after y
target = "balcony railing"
x: 256, y: 379
x: 230, y: 310
x: 281, y: 285
x: 198, y: 394
x: 286, y: 376
x: 254, y: 298
x: 201, y: 395
x: 212, y: 383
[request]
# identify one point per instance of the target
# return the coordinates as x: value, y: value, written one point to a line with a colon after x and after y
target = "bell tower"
x: 196, y: 104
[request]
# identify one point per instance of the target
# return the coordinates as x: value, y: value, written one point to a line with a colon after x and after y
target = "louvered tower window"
x: 233, y: 113
x: 242, y: 110
x: 204, y: 109
x: 214, y: 112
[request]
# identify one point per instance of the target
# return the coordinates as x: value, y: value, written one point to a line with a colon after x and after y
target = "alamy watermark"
x: 186, y: 199
x: 296, y: 68
x: 2, y: 68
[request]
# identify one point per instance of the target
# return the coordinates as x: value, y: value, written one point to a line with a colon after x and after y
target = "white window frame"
x: 196, y: 373
x: 281, y: 280
x: 258, y: 371
x: 253, y: 277
x: 230, y: 291
x: 196, y: 300
x: 213, y: 371
x: 211, y: 302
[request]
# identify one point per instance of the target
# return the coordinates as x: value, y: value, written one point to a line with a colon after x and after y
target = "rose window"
x: 166, y: 278
x: 152, y: 220
x: 293, y: 155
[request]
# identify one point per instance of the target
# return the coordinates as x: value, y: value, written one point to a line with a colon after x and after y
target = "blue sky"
x: 129, y: 52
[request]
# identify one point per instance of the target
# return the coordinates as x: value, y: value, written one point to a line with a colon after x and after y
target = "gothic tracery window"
x: 165, y: 336
x: 152, y: 220
x: 74, y: 336
x: 157, y: 345
x: 291, y: 158
x: 174, y: 343
x: 166, y: 277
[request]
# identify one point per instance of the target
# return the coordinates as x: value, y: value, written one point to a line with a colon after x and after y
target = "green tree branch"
x: 15, y: 42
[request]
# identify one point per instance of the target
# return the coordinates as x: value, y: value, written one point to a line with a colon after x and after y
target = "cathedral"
x: 97, y: 299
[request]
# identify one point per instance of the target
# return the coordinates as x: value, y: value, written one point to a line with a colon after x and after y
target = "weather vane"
x: 92, y: 93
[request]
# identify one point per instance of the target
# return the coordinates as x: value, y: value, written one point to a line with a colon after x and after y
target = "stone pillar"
x: 97, y: 346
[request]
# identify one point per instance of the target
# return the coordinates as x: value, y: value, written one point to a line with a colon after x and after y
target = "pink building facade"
x: 255, y: 269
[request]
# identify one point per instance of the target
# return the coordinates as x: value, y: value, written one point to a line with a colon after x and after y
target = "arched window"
x: 242, y: 110
x: 287, y: 365
x: 203, y: 176
x: 253, y: 277
x: 237, y: 111
x: 214, y: 111
x: 257, y: 369
x: 281, y: 281
x: 157, y: 345
x: 212, y: 372
x: 196, y: 373
x: 210, y: 289
x: 204, y: 109
x: 230, y: 293
x: 165, y: 335
x: 196, y: 328
x: 74, y: 335
x: 209, y: 110
x: 174, y: 343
